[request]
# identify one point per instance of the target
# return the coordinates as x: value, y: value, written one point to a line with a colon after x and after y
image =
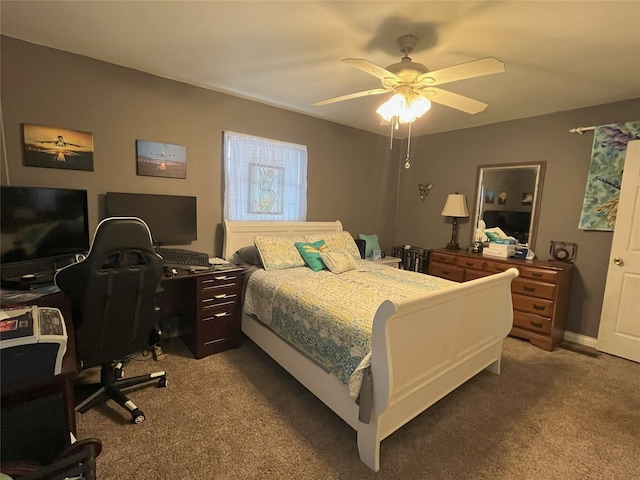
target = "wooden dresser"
x: 540, y: 294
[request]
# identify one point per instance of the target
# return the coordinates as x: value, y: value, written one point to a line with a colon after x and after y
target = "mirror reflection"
x: 508, y: 197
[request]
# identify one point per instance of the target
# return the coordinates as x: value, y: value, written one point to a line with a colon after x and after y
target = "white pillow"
x: 338, y: 262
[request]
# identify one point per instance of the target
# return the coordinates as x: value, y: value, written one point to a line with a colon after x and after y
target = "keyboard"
x: 185, y: 259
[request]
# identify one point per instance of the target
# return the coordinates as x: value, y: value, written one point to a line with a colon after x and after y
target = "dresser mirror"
x: 508, y: 196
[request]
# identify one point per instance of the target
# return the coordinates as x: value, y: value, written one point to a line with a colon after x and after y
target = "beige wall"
x: 450, y: 160
x: 352, y: 175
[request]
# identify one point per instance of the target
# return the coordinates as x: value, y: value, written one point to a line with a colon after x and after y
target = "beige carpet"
x: 238, y: 415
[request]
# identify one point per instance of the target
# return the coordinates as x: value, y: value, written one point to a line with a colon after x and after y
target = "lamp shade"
x: 456, y: 206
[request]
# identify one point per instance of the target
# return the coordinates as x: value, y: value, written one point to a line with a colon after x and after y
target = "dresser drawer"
x: 550, y: 276
x: 539, y: 306
x: 450, y: 272
x: 473, y: 263
x: 473, y: 274
x: 443, y: 258
x: 533, y: 288
x: 497, y: 267
x: 532, y: 322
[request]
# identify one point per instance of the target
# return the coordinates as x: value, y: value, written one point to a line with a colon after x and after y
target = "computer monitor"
x: 42, y: 229
x: 172, y: 219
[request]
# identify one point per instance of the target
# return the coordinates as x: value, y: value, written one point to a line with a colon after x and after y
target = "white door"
x: 619, y: 332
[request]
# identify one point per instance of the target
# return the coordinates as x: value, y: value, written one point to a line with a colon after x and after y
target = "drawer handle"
x: 539, y: 307
x: 446, y: 272
x: 528, y: 289
x: 209, y: 281
x: 536, y: 274
x: 216, y: 315
x: 224, y: 295
x: 224, y: 277
x: 536, y: 324
x: 469, y: 264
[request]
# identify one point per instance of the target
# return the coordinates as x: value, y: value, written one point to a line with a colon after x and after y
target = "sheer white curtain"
x: 265, y: 180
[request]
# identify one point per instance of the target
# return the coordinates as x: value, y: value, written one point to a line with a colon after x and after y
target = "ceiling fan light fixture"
x: 406, y: 110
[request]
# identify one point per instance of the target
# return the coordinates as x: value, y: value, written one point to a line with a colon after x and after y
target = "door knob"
x: 618, y: 261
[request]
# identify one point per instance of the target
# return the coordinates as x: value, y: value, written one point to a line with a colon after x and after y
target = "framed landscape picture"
x: 54, y: 147
x: 156, y: 159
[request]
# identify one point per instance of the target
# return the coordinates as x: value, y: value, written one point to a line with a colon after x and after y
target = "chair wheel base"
x: 137, y: 416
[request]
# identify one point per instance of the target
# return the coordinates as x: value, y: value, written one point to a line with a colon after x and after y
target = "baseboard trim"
x: 580, y: 339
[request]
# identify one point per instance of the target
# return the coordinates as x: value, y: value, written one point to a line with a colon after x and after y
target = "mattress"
x: 328, y: 317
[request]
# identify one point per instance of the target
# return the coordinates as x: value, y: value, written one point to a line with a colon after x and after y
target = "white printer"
x: 33, y: 341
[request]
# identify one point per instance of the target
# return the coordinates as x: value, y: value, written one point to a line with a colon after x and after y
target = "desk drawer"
x: 216, y: 330
x: 450, y: 272
x: 539, y: 306
x: 533, y: 288
x: 215, y: 299
x: 219, y: 280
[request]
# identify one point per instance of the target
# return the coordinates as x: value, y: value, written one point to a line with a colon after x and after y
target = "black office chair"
x: 112, y: 293
x: 76, y: 461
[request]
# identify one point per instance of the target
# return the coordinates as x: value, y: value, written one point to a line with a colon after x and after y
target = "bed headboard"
x: 241, y: 234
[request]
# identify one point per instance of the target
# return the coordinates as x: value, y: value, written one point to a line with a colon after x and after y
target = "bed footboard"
x: 424, y: 348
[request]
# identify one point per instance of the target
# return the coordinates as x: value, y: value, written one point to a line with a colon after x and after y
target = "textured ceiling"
x: 559, y: 55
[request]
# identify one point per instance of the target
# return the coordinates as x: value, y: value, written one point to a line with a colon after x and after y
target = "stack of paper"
x: 501, y: 250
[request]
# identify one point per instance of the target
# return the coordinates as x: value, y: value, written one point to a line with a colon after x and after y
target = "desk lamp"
x: 456, y: 207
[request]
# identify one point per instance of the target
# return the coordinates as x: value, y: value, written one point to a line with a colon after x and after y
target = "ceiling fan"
x: 413, y: 81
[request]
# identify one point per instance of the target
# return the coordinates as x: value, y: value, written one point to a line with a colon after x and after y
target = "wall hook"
x: 424, y: 190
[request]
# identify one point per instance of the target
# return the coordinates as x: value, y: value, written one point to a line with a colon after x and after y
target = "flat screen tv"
x: 172, y: 219
x: 42, y: 229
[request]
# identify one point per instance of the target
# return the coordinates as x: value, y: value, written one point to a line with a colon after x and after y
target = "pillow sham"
x: 338, y: 262
x: 337, y: 241
x: 310, y: 253
x: 372, y: 244
x: 249, y: 255
x: 278, y: 253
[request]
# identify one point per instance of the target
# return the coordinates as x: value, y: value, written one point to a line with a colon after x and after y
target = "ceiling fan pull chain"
x: 391, y: 137
x: 407, y: 165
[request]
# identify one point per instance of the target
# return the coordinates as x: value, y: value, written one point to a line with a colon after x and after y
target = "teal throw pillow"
x: 372, y: 244
x: 311, y: 254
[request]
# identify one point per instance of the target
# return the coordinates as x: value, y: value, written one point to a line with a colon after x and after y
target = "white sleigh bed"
x: 422, y: 348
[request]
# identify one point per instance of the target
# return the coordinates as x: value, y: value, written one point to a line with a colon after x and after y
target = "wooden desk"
x: 60, y: 385
x: 207, y: 304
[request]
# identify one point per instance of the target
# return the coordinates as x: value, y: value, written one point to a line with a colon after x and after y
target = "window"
x: 265, y: 180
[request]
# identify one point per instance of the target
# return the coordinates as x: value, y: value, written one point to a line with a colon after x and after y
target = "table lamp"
x: 456, y: 207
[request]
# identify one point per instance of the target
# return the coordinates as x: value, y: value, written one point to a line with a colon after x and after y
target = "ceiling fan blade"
x: 453, y: 100
x: 376, y: 91
x: 476, y: 68
x: 372, y: 69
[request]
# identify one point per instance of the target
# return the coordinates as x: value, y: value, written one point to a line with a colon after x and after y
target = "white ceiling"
x: 559, y: 55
